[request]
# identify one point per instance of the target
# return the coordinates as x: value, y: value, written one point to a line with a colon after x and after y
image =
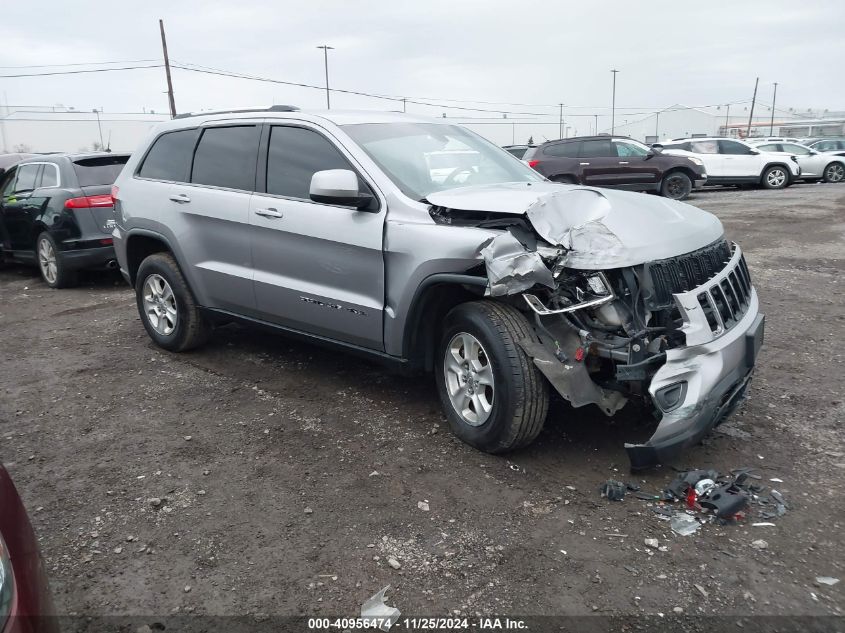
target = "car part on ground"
x: 56, y: 213
x: 617, y: 162
x: 451, y: 256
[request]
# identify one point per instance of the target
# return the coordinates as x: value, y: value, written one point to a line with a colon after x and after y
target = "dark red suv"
x: 619, y: 163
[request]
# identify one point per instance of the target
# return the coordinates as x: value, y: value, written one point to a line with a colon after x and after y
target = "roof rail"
x: 272, y: 108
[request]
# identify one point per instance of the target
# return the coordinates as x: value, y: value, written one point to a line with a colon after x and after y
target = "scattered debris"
x: 827, y: 580
x: 423, y: 505
x: 308, y: 511
x: 652, y: 543
x: 374, y: 611
x: 393, y: 562
x: 678, y: 610
x: 759, y: 544
x: 763, y: 524
x: 684, y: 524
x: 702, y: 590
x: 613, y: 490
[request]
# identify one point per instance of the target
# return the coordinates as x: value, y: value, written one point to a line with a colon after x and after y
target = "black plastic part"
x: 726, y: 500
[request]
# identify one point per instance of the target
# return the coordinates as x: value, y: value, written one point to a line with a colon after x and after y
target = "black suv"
x: 57, y: 211
x: 619, y: 163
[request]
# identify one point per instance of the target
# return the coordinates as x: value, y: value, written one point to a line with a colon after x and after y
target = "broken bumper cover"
x: 713, y: 376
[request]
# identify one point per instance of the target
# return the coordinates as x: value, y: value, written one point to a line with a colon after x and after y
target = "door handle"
x: 181, y: 198
x: 623, y: 162
x: 270, y: 213
x: 583, y: 163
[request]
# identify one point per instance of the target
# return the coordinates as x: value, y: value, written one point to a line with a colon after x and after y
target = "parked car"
x: 617, y: 162
x: 518, y: 150
x: 755, y: 140
x: 7, y: 160
x: 815, y: 166
x: 56, y: 212
x: 332, y: 227
x: 826, y: 144
x: 25, y: 602
x: 731, y: 162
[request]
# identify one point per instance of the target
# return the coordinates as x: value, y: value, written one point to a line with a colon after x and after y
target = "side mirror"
x: 754, y: 152
x: 338, y: 186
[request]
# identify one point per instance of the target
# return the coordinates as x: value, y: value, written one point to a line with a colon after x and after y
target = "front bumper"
x: 715, y: 366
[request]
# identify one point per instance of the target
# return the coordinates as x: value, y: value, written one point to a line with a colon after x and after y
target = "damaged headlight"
x: 576, y: 292
x: 597, y: 285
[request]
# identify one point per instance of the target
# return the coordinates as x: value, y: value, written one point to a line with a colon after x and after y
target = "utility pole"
x: 326, y: 50
x: 404, y: 103
x: 751, y: 116
x: 560, y: 122
x: 727, y: 119
x: 657, y: 124
x: 613, y: 106
x: 167, y: 70
x: 596, y: 131
x: 772, y: 121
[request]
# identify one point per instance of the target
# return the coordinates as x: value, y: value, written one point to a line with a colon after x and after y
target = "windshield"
x: 422, y: 158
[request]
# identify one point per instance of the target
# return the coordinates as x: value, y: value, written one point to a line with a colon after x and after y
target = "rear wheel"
x: 676, y: 186
x: 775, y: 177
x: 835, y: 172
x: 53, y: 271
x: 493, y: 396
x: 168, y: 310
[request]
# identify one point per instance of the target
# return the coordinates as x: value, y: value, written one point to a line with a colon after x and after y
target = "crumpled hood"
x: 599, y: 228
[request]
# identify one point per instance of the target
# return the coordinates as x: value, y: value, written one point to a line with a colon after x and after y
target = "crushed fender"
x: 511, y: 268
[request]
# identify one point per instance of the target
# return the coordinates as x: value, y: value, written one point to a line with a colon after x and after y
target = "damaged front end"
x: 680, y: 332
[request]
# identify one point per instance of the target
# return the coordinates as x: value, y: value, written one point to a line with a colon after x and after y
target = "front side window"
x: 798, y: 150
x: 170, y: 156
x: 596, y: 149
x: 294, y: 155
x: 226, y: 157
x: 424, y: 158
x: 770, y: 147
x: 27, y: 175
x: 733, y: 148
x: 627, y: 148
x: 8, y: 186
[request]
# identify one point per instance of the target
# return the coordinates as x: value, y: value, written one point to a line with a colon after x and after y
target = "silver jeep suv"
x: 417, y: 242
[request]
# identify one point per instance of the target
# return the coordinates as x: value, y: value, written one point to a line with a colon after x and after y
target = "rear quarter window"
x: 101, y: 170
x: 563, y: 150
x: 170, y: 156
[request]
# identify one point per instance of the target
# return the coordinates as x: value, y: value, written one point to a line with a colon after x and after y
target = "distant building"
x: 67, y: 130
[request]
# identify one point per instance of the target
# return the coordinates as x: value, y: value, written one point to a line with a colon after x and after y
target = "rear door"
x: 599, y: 163
x: 812, y: 163
x: 17, y: 207
x: 319, y: 268
x: 214, y: 207
x: 708, y: 152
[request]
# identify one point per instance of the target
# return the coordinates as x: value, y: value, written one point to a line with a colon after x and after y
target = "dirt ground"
x: 260, y: 475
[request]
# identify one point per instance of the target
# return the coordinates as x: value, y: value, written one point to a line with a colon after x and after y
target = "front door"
x: 16, y: 210
x: 738, y: 160
x: 635, y: 165
x: 319, y: 268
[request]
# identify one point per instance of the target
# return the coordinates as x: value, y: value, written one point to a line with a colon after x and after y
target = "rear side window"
x: 596, y: 149
x: 102, y: 170
x: 226, y: 157
x: 564, y: 150
x: 770, y: 147
x: 294, y: 155
x: 704, y: 147
x: 50, y: 176
x: 734, y: 148
x: 170, y: 156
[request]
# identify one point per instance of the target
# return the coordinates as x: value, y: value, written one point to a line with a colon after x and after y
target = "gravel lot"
x: 265, y: 476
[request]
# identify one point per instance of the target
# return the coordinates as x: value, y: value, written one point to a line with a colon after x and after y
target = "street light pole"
x: 560, y: 122
x: 613, y: 106
x: 326, y: 50
x: 772, y: 121
x: 99, y: 127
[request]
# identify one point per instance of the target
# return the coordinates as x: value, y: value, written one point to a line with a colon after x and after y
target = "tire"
x: 834, y: 172
x: 775, y: 177
x: 53, y: 271
x: 518, y: 396
x: 676, y: 185
x: 168, y: 310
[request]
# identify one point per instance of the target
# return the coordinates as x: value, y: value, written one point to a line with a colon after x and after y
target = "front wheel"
x: 493, y: 396
x: 676, y: 186
x: 775, y: 177
x: 54, y: 272
x: 835, y: 172
x: 167, y: 307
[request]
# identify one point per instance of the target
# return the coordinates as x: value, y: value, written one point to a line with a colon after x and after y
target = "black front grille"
x: 685, y: 272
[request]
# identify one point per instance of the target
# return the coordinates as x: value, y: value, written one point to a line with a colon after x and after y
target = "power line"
x: 123, y: 61
x: 79, y: 72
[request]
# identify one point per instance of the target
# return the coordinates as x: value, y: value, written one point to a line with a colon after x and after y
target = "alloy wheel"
x: 835, y: 172
x: 469, y: 378
x: 675, y: 187
x: 160, y: 304
x: 47, y: 261
x: 776, y: 178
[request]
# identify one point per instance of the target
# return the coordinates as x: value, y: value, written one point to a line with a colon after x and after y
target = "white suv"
x: 730, y: 162
x: 815, y: 166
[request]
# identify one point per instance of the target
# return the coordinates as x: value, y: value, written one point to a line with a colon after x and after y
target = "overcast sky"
x: 667, y: 52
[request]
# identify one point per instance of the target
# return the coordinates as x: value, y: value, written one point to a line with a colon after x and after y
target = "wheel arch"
x: 141, y: 244
x: 435, y: 296
x: 789, y: 175
x: 689, y: 173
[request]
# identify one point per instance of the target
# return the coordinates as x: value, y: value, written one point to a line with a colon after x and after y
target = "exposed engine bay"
x: 604, y: 321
